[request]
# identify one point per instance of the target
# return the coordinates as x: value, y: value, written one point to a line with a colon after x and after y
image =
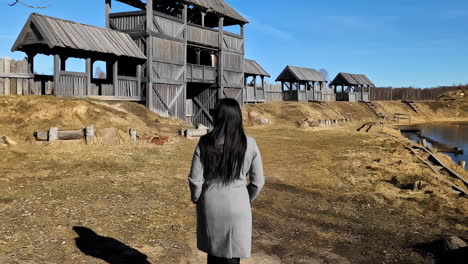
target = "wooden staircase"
x: 412, y: 105
x: 322, y: 103
x: 375, y: 110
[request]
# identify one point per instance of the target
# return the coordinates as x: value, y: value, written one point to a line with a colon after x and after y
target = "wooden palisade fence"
x: 16, y: 79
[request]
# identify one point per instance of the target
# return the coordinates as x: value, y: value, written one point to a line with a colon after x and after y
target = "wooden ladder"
x: 412, y: 105
x: 375, y: 110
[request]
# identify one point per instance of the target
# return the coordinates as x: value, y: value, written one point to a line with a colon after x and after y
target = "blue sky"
x: 420, y: 43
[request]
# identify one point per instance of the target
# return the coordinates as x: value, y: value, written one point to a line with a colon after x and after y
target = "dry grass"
x: 328, y: 197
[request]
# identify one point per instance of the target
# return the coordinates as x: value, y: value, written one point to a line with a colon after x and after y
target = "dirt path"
x: 328, y: 199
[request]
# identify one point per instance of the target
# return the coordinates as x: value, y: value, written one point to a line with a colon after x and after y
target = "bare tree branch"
x: 30, y: 6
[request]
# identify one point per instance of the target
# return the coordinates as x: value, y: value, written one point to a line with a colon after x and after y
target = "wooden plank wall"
x: 233, y: 75
x: 166, y: 94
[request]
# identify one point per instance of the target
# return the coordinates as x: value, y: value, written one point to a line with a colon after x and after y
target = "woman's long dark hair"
x: 222, y: 151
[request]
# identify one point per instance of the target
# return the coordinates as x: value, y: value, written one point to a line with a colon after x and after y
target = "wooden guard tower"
x: 354, y: 87
x: 253, y: 92
x: 303, y: 84
x: 191, y: 60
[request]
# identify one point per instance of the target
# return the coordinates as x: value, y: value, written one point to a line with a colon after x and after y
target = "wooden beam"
x: 149, y: 55
x: 108, y: 8
x: 135, y: 3
x: 220, y: 58
x: 17, y: 75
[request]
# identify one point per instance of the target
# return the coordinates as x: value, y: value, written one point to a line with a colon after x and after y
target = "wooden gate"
x: 169, y: 100
x: 203, y: 104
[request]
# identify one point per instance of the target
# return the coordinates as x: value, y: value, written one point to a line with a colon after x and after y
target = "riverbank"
x: 333, y: 195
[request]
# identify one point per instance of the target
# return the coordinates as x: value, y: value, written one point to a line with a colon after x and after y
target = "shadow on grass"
x: 108, y: 249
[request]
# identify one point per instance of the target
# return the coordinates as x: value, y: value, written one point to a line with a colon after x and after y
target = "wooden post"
x: 198, y: 52
x: 463, y: 164
x: 307, y: 91
x: 108, y: 11
x: 185, y: 14
x: 115, y: 76
x: 149, y: 54
x: 314, y: 95
x: 242, y: 30
x: 31, y: 71
x: 89, y: 134
x: 203, y: 14
x: 220, y: 58
x: 133, y: 134
x: 89, y: 69
x: 56, y: 73
x: 255, y: 87
x: 298, y: 87
x: 138, y: 72
x: 263, y: 87
x: 63, y: 63
x: 53, y: 134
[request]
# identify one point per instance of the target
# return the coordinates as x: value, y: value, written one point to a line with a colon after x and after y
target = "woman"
x: 218, y: 184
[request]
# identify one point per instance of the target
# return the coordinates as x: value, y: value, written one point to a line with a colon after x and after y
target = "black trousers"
x: 216, y: 260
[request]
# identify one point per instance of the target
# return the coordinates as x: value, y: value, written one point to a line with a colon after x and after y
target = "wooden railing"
x: 71, y: 84
x: 206, y: 36
x: 233, y: 42
x: 174, y: 27
x: 128, y: 87
x: 201, y: 73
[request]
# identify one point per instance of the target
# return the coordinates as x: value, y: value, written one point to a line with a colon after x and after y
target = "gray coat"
x: 224, y: 215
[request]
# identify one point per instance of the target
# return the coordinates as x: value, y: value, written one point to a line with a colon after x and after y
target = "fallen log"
x: 55, y: 134
x: 62, y: 135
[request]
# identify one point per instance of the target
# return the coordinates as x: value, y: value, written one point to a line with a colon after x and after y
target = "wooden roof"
x: 217, y: 6
x: 221, y: 7
x: 251, y: 67
x: 351, y: 79
x: 44, y: 34
x: 292, y: 73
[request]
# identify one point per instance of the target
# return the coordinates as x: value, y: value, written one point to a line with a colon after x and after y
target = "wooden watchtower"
x: 354, y: 87
x: 191, y: 60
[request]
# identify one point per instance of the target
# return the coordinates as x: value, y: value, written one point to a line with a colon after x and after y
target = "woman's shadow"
x: 106, y: 248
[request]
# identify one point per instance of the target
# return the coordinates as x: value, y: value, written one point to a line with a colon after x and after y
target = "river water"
x: 453, y: 134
